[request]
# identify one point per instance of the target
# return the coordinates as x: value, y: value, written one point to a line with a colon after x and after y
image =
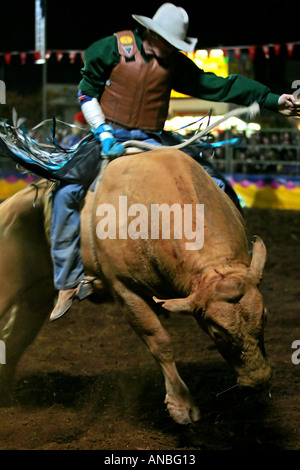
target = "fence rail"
x: 265, y: 151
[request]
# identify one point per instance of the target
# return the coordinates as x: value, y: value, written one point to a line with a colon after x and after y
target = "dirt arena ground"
x: 88, y: 382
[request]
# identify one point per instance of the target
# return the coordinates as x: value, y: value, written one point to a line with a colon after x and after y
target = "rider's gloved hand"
x: 110, y: 147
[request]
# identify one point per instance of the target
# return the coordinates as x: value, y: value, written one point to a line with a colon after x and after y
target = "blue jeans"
x: 122, y: 135
x: 65, y: 223
x: 65, y: 236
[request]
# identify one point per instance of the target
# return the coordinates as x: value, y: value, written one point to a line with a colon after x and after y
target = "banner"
x: 256, y: 191
x: 267, y: 191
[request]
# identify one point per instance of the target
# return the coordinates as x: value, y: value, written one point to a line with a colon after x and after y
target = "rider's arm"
x: 99, y: 59
x: 91, y: 109
x: 193, y: 81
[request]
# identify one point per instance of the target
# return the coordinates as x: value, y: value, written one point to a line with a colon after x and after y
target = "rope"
x: 91, y: 218
x: 251, y: 110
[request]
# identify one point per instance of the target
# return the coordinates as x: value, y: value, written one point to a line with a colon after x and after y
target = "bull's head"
x: 230, y: 309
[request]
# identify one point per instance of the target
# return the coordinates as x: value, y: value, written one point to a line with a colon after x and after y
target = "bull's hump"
x: 168, y: 173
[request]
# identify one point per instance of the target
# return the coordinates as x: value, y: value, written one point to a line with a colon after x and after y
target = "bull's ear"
x: 259, y: 257
x: 185, y: 306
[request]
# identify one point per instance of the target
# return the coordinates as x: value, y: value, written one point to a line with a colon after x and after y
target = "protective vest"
x: 137, y: 93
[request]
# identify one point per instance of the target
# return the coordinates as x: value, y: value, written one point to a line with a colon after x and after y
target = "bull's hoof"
x: 182, y: 413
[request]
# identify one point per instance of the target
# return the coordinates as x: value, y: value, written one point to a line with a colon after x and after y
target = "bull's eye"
x: 216, y: 334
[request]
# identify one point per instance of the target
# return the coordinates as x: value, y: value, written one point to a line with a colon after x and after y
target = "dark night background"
x: 75, y: 25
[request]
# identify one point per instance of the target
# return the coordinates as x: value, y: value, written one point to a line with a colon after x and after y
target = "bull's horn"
x: 259, y: 257
x: 177, y: 305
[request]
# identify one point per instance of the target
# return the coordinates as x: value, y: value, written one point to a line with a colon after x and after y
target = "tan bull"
x: 216, y: 283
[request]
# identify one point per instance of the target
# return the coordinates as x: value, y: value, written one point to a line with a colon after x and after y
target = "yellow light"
x: 199, y: 63
x: 253, y: 126
x: 216, y: 53
x: 201, y: 54
x: 179, y: 123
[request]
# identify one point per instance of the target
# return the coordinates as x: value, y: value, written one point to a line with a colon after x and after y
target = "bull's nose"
x: 259, y: 378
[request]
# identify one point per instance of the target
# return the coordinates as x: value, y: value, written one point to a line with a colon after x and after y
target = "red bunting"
x: 225, y: 51
x: 72, y: 54
x: 59, y: 55
x: 36, y: 55
x: 266, y: 50
x: 7, y: 57
x: 277, y: 48
x: 252, y: 50
x: 23, y: 56
x: 290, y: 48
x: 237, y: 52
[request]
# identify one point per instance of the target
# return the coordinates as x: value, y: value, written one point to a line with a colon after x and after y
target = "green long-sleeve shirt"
x: 102, y: 56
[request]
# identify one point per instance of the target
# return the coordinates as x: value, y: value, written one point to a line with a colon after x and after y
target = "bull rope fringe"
x: 251, y: 110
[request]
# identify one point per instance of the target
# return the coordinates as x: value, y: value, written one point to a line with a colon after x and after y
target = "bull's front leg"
x: 148, y: 327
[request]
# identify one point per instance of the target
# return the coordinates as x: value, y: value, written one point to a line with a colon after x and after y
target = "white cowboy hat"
x: 171, y: 23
